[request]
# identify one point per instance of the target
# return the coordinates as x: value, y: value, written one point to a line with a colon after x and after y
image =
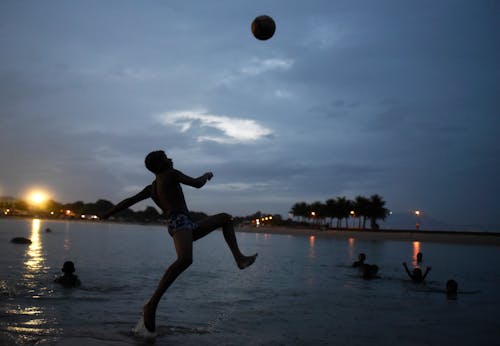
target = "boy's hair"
x: 153, y: 162
x: 68, y: 267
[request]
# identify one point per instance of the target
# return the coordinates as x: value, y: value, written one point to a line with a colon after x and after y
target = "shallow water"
x: 300, y: 291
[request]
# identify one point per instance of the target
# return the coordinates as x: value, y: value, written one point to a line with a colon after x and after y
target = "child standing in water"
x: 416, y: 275
x: 166, y: 192
x: 68, y: 279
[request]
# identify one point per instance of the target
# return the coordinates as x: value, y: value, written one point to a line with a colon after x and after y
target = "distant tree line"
x: 10, y: 206
x: 75, y: 210
x: 334, y: 211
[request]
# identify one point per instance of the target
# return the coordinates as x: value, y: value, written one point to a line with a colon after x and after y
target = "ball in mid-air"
x: 263, y: 27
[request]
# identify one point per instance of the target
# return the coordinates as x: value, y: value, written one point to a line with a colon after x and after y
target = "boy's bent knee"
x: 184, y: 262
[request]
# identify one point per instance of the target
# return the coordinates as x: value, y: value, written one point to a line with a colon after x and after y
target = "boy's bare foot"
x: 148, y: 315
x: 246, y: 261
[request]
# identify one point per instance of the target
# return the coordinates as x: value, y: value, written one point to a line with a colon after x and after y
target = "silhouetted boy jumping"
x: 166, y: 192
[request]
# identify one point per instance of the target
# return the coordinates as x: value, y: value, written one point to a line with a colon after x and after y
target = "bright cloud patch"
x: 237, y: 187
x: 254, y: 67
x: 258, y: 66
x: 229, y: 130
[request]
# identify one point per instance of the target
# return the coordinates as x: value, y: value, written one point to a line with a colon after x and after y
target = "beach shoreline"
x: 452, y: 237
x: 465, y: 238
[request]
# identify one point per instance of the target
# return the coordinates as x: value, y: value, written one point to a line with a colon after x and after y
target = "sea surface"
x: 301, y: 290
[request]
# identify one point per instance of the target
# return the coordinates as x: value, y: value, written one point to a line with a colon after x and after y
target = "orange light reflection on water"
x: 351, y: 247
x: 312, y: 253
x: 416, y: 250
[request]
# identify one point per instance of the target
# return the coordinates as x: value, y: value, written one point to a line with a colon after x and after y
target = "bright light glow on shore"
x: 37, y: 197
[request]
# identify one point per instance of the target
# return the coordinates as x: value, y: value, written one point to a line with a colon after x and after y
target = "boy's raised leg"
x: 224, y: 220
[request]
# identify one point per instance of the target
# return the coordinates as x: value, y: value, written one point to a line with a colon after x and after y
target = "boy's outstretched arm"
x: 427, y: 270
x: 127, y: 202
x: 194, y: 182
x: 407, y: 270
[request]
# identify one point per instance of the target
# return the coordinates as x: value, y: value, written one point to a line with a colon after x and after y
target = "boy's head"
x: 157, y: 161
x: 68, y: 267
x: 361, y: 257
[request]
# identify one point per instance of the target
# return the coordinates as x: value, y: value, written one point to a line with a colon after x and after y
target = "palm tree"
x: 332, y: 210
x: 361, y: 205
x: 376, y: 210
x: 319, y: 210
x: 300, y: 210
x: 344, y: 209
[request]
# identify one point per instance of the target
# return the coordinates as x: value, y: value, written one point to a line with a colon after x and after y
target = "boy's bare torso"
x: 166, y: 192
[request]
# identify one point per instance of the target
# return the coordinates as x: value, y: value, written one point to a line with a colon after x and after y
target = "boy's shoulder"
x: 69, y: 280
x: 167, y: 176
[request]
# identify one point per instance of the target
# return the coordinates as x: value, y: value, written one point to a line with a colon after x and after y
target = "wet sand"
x: 472, y: 238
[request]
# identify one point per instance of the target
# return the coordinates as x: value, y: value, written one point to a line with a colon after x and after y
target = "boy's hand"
x: 209, y: 175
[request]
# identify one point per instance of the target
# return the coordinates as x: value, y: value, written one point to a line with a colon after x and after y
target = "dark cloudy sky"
x: 398, y: 98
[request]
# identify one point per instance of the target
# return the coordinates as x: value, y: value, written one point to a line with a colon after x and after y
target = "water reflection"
x: 351, y: 247
x: 312, y: 253
x: 67, y: 243
x: 30, y: 322
x: 34, y: 255
x: 267, y: 236
x: 416, y: 250
x: 28, y: 319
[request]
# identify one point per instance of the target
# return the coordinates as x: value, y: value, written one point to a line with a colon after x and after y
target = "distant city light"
x: 417, y: 214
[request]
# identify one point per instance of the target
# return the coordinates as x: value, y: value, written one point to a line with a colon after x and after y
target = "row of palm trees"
x: 341, y: 208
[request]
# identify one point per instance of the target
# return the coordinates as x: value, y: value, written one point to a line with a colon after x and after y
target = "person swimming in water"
x: 69, y: 279
x: 451, y: 289
x: 416, y: 275
x: 166, y: 192
x: 360, y: 261
x: 369, y: 271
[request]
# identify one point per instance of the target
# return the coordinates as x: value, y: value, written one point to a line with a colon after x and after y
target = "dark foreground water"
x: 300, y: 291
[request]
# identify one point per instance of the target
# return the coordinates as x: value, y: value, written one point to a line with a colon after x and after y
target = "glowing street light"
x: 37, y: 197
x: 417, y: 214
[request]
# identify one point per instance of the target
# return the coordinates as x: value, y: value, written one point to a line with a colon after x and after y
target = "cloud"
x: 238, y: 187
x: 254, y: 67
x: 258, y: 66
x: 285, y: 94
x: 228, y: 130
x: 322, y: 33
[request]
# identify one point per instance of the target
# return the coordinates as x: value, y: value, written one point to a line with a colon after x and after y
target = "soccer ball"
x: 263, y: 27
